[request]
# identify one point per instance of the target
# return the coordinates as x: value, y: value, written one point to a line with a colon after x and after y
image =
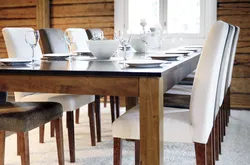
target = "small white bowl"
x: 103, y: 49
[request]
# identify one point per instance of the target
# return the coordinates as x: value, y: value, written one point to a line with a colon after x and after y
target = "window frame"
x: 208, y: 17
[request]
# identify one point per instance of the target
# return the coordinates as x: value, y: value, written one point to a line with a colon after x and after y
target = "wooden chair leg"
x: 229, y: 102
x: 24, y: 148
x: 77, y: 116
x: 59, y: 140
x: 200, y: 153
x: 117, y: 151
x: 105, y: 99
x: 52, y: 129
x: 18, y: 143
x: 112, y: 108
x: 209, y: 150
x: 217, y: 138
x: 224, y: 119
x: 117, y: 103
x: 221, y: 124
x: 71, y: 135
x: 92, y: 123
x: 98, y: 117
x: 219, y: 131
x: 137, y: 152
x: 41, y: 134
x: 228, y: 106
x: 2, y: 147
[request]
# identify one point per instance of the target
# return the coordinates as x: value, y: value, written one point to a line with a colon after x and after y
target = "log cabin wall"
x: 15, y: 13
x: 237, y: 12
x: 83, y: 14
x: 63, y: 14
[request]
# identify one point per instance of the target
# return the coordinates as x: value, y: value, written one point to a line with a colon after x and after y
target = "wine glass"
x: 69, y: 40
x: 32, y: 38
x: 124, y: 40
x: 144, y: 38
x: 162, y: 37
x: 143, y: 23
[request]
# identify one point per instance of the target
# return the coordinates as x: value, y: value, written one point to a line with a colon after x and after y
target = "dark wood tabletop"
x: 93, y: 67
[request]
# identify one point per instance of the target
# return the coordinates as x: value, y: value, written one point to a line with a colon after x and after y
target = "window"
x: 148, y: 11
x: 185, y: 17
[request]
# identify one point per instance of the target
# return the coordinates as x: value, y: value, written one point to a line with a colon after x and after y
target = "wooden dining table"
x: 107, y: 77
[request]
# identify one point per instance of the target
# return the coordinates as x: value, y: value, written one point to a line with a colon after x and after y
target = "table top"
x: 93, y: 67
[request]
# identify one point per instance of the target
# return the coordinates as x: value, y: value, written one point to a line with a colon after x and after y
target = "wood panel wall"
x: 62, y: 14
x: 237, y: 12
x: 84, y: 14
x: 16, y: 13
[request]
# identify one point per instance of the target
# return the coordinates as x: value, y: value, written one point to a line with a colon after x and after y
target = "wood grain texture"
x: 240, y: 101
x: 16, y: 13
x: 59, y: 141
x: 43, y: 14
x: 61, y: 14
x: 242, y: 66
x: 17, y: 3
x: 2, y: 147
x: 151, y: 122
x: 83, y: 14
x: 237, y: 12
x: 79, y: 1
x: 75, y: 85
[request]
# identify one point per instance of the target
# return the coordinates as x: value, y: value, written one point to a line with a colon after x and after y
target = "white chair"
x: 80, y: 37
x: 230, y: 73
x: 183, y: 125
x: 16, y: 47
x: 185, y: 90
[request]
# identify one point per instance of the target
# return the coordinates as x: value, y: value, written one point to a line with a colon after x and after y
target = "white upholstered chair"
x: 80, y: 37
x: 183, y: 92
x: 183, y: 125
x: 17, y: 48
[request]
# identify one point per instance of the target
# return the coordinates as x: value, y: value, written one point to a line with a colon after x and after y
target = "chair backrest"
x: 80, y: 37
x: 3, y: 97
x: 224, y: 67
x: 232, y: 57
x: 94, y: 32
x: 203, y: 98
x: 53, y: 41
x: 17, y: 48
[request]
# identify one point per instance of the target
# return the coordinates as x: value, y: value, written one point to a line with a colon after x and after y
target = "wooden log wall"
x: 83, y: 14
x: 16, y: 13
x: 63, y: 14
x: 237, y: 12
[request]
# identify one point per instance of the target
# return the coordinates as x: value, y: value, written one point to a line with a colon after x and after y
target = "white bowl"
x: 103, y: 49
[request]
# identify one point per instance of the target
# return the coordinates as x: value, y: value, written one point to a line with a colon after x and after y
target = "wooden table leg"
x: 151, y: 121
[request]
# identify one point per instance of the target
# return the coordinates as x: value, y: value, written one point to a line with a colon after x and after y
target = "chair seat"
x: 22, y: 117
x: 69, y: 102
x: 177, y: 126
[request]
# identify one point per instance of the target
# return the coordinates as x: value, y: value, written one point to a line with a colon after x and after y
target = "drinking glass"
x: 162, y: 37
x: 143, y: 23
x: 144, y: 38
x: 69, y: 40
x: 124, y: 40
x: 32, y: 38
